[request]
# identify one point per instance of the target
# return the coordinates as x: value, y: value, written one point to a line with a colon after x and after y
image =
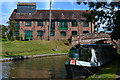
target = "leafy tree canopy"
x: 4, y: 29
x: 11, y: 28
x: 108, y: 14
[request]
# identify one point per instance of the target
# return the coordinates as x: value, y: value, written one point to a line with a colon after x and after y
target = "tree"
x: 116, y: 32
x: 89, y: 18
x: 106, y: 13
x: 11, y: 28
x: 4, y: 29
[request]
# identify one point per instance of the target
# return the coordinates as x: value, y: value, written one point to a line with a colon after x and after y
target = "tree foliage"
x: 4, y: 29
x: 106, y: 13
x: 116, y: 32
x: 89, y: 18
x: 11, y: 28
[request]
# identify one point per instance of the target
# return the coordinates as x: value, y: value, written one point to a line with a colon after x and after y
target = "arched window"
x: 63, y: 33
x: 74, y: 32
x: 85, y: 32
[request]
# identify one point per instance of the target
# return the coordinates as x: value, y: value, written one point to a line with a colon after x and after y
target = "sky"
x: 7, y: 7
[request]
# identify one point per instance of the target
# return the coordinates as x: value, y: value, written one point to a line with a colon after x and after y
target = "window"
x: 40, y: 33
x: 63, y: 26
x: 17, y: 26
x: 16, y: 33
x: 52, y: 33
x: 74, y: 32
x: 74, y: 23
x: 28, y: 34
x: 73, y: 54
x: 73, y: 14
x: 99, y: 54
x: 73, y: 50
x: 53, y: 26
x: 17, y: 22
x: 40, y: 13
x: 85, y: 54
x: 85, y: 24
x: 85, y: 32
x: 62, y: 13
x: 63, y: 33
x: 28, y: 23
x: 40, y: 23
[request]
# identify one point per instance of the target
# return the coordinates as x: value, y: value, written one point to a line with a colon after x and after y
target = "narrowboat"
x: 85, y: 59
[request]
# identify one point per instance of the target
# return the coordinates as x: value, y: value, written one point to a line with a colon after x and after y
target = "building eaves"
x: 20, y: 3
x: 44, y: 14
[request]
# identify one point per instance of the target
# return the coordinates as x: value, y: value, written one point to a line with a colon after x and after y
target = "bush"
x: 4, y: 39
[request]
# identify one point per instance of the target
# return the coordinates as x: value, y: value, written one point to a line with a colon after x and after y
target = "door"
x: 28, y: 34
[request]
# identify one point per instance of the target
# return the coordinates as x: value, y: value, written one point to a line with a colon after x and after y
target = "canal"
x: 51, y: 67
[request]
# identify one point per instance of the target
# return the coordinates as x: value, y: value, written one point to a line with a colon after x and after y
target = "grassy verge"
x: 108, y: 72
x: 119, y: 52
x: 18, y: 48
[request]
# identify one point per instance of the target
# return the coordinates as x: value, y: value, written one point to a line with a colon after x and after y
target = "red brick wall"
x: 34, y: 28
x: 91, y: 38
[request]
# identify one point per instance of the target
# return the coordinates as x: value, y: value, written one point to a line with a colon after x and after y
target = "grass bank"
x: 33, y: 47
x: 109, y: 72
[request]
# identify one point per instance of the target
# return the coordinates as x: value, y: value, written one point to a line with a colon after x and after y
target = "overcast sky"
x: 7, y: 6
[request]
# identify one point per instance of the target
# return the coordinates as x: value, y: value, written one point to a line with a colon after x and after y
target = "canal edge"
x: 30, y: 56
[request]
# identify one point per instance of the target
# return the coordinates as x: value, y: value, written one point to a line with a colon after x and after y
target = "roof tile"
x: 44, y: 14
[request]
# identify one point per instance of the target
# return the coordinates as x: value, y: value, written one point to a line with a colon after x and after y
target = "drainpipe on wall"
x: 91, y: 26
x: 78, y: 31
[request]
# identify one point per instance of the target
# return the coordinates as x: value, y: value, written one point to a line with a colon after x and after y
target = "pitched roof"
x: 44, y: 14
x: 20, y: 3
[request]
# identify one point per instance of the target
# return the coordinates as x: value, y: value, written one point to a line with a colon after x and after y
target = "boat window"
x: 73, y: 50
x: 99, y: 53
x: 98, y: 56
x: 85, y: 54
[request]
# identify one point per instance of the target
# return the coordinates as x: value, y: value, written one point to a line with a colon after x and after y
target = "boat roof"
x: 95, y: 44
x: 92, y: 45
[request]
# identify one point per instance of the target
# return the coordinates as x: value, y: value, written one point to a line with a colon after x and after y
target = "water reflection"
x: 43, y: 67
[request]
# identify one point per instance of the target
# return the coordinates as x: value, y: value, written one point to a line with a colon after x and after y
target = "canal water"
x: 51, y: 67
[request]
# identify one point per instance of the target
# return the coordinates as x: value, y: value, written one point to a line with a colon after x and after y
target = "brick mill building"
x: 34, y: 24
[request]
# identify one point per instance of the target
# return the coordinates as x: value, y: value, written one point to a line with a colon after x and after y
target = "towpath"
x: 31, y: 56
